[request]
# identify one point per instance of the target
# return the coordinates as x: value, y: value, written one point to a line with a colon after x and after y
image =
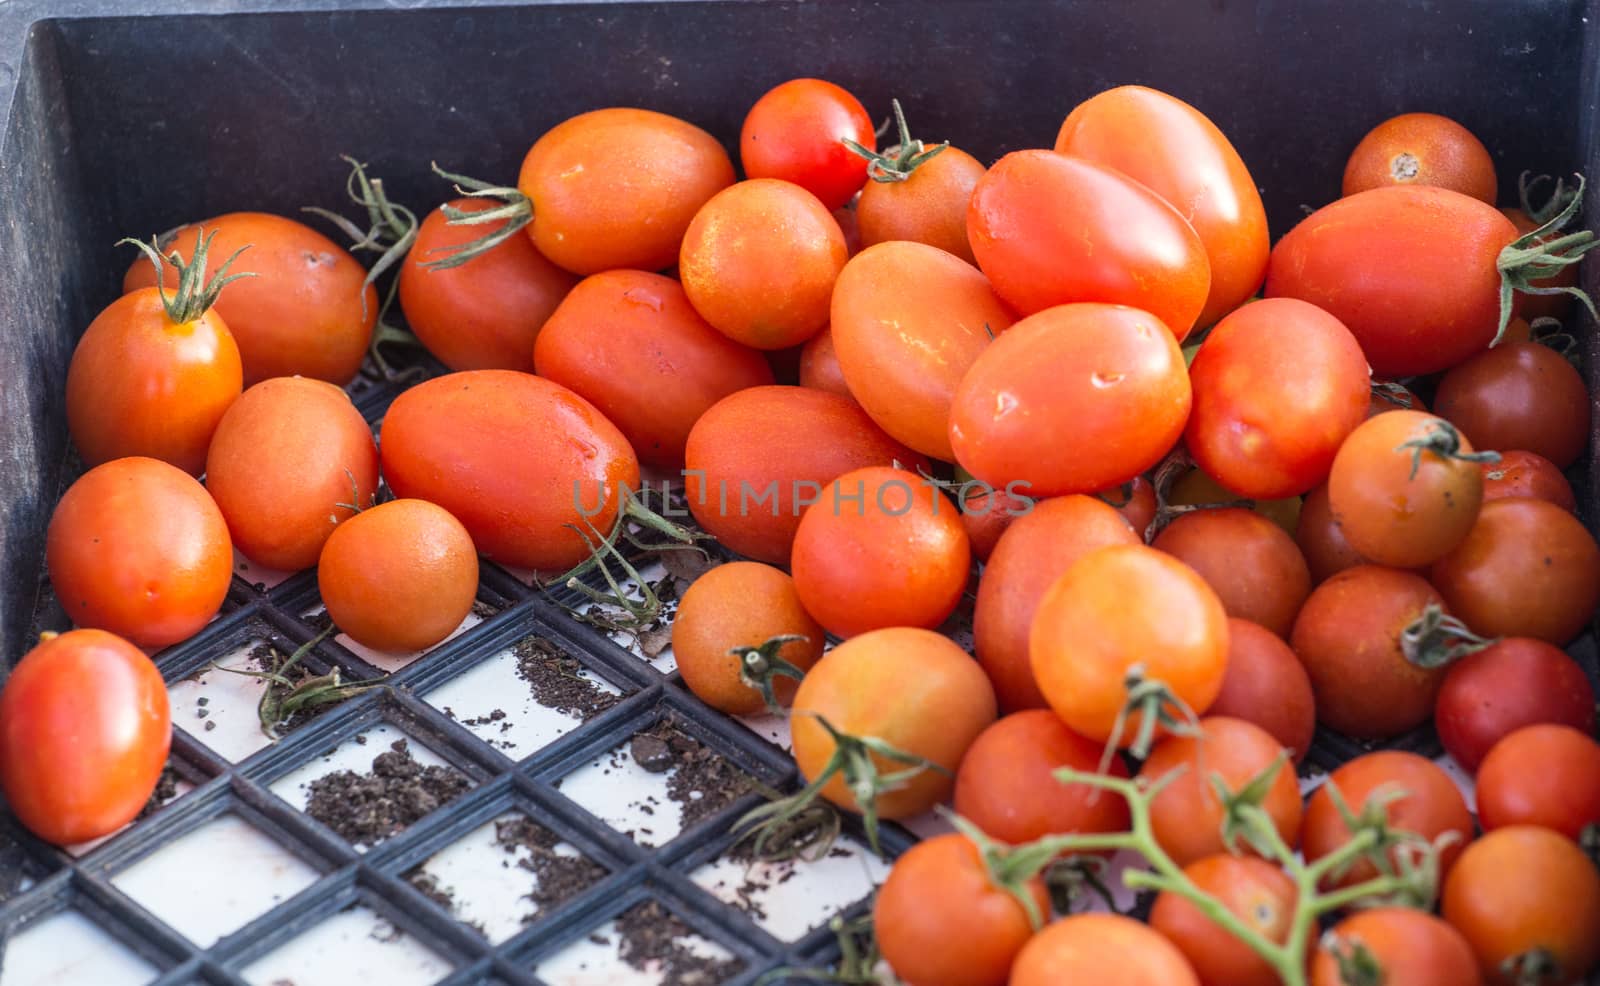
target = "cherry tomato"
x: 1523, y: 889
x: 1135, y: 500
x: 911, y: 688
x: 1255, y: 568
x: 1050, y: 229
x: 881, y: 548
x: 1186, y: 817
x: 1401, y: 491
x: 908, y: 321
x: 1117, y: 607
x: 1107, y: 384
x: 759, y: 262
x: 1256, y: 892
x: 306, y: 311
x: 1007, y: 786
x: 1177, y: 152
x: 796, y: 132
x: 1410, y: 270
x: 1101, y: 948
x: 739, y: 605
x: 136, y: 547
x: 850, y: 226
x: 1412, y: 948
x: 1196, y: 488
x: 1349, y: 638
x: 525, y: 464
x: 1267, y: 685
x: 654, y: 370
x: 757, y: 458
x: 1527, y: 569
x: 291, y: 459
x: 819, y: 365
x: 1278, y: 386
x: 1534, y: 306
x: 1035, y: 550
x: 986, y: 513
x: 927, y: 205
x: 1545, y: 775
x: 1519, y: 395
x: 617, y: 188
x: 84, y: 735
x: 482, y: 315
x: 1527, y: 474
x: 1513, y: 683
x: 941, y: 921
x: 1422, y: 149
x: 1321, y: 539
x: 1432, y: 806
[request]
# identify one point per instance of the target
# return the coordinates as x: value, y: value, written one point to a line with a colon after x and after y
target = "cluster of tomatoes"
x: 1193, y: 553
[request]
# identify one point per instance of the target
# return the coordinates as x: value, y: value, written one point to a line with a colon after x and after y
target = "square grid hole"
x: 353, y: 945
x: 68, y: 947
x: 648, y: 944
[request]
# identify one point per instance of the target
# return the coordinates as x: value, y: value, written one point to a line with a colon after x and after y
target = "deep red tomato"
x: 1106, y: 384
x: 1266, y: 684
x: 1256, y: 892
x: 1177, y: 152
x: 987, y: 513
x: 1411, y: 947
x: 1545, y: 775
x: 1410, y: 270
x: 1527, y: 474
x: 1135, y: 500
x: 84, y: 734
x: 1432, y: 806
x: 1422, y: 149
x: 1050, y: 229
x: 1521, y: 395
x: 796, y: 132
x: 1101, y: 948
x: 1278, y: 386
x: 1321, y: 539
x: 974, y: 934
x: 1516, y: 682
x: 1255, y: 568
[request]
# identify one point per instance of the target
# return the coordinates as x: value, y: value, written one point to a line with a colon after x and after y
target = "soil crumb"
x: 560, y: 875
x: 367, y: 808
x: 653, y: 937
x: 552, y: 675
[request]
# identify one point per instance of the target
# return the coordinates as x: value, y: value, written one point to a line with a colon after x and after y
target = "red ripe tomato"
x: 1514, y: 683
x: 1035, y: 550
x: 84, y: 734
x: 1255, y: 568
x: 908, y: 321
x: 1278, y: 386
x: 1527, y: 569
x: 136, y: 547
x: 796, y: 132
x: 881, y: 548
x: 1545, y: 775
x: 1106, y: 384
x: 655, y: 368
x: 1050, y: 229
x: 1321, y: 538
x: 482, y: 315
x: 971, y: 937
x: 522, y: 462
x: 1117, y: 607
x: 986, y: 513
x: 757, y: 458
x: 1007, y: 786
x: 1266, y: 684
x: 1410, y: 270
x: 1135, y: 500
x: 819, y: 364
x: 1413, y: 948
x: 1422, y: 149
x: 1432, y: 806
x: 1256, y: 892
x: 1101, y: 948
x: 1527, y: 474
x: 1519, y: 395
x: 927, y: 205
x: 1174, y: 150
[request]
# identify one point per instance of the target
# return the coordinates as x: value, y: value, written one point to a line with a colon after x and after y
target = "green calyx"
x: 515, y: 211
x: 906, y: 157
x: 1441, y: 439
x: 1435, y: 639
x: 195, y: 294
x: 759, y: 666
x: 1542, y: 254
x: 287, y: 696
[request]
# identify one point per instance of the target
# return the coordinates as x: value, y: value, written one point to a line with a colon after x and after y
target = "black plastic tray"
x: 118, y: 124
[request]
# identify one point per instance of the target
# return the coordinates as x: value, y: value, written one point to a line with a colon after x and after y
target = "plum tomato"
x: 1545, y: 775
x: 1321, y: 539
x: 1431, y: 806
x: 1422, y: 149
x: 1520, y: 395
x: 138, y: 548
x: 1075, y: 399
x: 923, y: 200
x: 1050, y: 230
x: 1255, y: 568
x: 1513, y: 683
x: 1266, y: 684
x: 819, y: 364
x: 796, y: 132
x: 1256, y: 892
x: 1527, y: 474
x: 84, y: 734
x: 1410, y: 947
x: 1101, y: 948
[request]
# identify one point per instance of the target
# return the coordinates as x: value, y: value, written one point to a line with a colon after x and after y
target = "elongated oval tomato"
x: 1321, y: 538
x: 483, y: 315
x: 84, y: 732
x: 1075, y: 399
x: 1176, y: 151
x: 1117, y: 607
x: 519, y: 460
x: 758, y: 458
x: 1101, y: 948
x: 1410, y: 270
x: 1266, y: 684
x: 630, y: 343
x: 593, y: 178
x: 1049, y: 230
x: 1278, y: 385
x: 908, y: 321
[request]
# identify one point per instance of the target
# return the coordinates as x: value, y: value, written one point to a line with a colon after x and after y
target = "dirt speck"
x: 653, y: 937
x: 553, y: 676
x: 367, y: 808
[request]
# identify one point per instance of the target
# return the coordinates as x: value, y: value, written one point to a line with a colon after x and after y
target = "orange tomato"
x: 1422, y: 149
x: 1101, y: 948
x: 1256, y: 892
x: 928, y: 206
x: 1413, y: 948
x: 1431, y: 807
x: 819, y: 365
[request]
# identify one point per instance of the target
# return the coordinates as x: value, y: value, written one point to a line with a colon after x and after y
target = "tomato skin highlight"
x: 1266, y: 684
x: 84, y: 733
x: 1546, y: 775
x: 1101, y: 948
x: 1049, y: 229
x: 512, y: 456
x: 1513, y: 683
x: 1409, y: 270
x: 741, y: 604
x: 1173, y: 149
x: 1413, y: 947
x: 1518, y: 395
x: 795, y: 132
x: 1103, y: 388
